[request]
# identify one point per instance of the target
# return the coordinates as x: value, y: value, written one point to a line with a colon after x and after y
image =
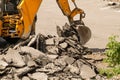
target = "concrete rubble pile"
x: 113, y: 0
x: 113, y: 3
x: 48, y: 58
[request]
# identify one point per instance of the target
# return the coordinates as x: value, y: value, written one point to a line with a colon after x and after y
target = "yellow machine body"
x: 20, y: 24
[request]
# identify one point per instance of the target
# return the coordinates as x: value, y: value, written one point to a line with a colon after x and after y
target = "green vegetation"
x: 113, y: 58
x: 113, y: 52
x: 110, y: 72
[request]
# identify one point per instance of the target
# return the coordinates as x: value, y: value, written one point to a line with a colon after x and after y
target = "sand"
x: 102, y: 20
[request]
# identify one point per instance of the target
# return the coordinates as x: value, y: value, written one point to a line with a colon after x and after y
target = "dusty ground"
x: 103, y: 21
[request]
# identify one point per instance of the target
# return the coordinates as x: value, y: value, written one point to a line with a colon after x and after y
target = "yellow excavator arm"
x: 28, y: 10
x: 65, y: 7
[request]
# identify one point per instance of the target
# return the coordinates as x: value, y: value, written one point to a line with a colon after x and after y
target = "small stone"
x: 31, y: 63
x: 3, y: 65
x: 87, y: 72
x: 51, y: 68
x: 25, y: 78
x: 59, y: 31
x: 98, y: 77
x: 50, y: 41
x: 110, y: 3
x: 75, y: 37
x: 39, y: 76
x: 63, y: 45
x: 42, y: 70
x: 44, y: 60
x: 79, y: 63
x: 66, y: 27
x: 69, y: 60
x: 5, y: 78
x: 33, y: 52
x: 73, y: 69
x: 1, y: 57
x: 71, y: 50
x: 53, y: 50
x: 20, y: 70
x: 52, y: 56
x: 4, y: 71
x: 14, y: 57
x: 16, y: 77
x: 58, y: 40
x: 61, y: 61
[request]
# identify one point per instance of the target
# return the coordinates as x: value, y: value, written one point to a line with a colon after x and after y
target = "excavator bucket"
x: 83, y: 32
